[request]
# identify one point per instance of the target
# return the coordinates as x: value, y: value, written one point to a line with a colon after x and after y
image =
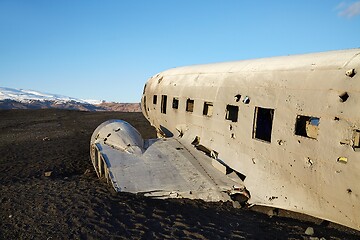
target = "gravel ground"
x: 72, y: 203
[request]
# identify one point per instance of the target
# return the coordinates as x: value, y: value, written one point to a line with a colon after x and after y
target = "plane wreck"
x: 281, y: 132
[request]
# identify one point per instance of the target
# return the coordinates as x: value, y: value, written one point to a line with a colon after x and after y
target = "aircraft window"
x: 263, y: 121
x: 343, y: 97
x: 155, y: 99
x: 356, y: 144
x: 232, y: 113
x: 163, y: 103
x: 189, y: 105
x: 175, y: 103
x: 307, y: 126
x: 208, y: 109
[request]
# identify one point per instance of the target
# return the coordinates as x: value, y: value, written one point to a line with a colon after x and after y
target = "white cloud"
x: 349, y: 10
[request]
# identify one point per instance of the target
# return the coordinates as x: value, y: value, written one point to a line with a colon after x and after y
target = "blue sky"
x: 107, y: 49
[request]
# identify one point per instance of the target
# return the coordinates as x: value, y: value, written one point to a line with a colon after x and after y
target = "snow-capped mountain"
x: 11, y: 98
x: 22, y: 95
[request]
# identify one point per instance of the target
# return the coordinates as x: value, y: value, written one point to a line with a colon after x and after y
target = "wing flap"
x: 163, y: 168
x: 167, y: 169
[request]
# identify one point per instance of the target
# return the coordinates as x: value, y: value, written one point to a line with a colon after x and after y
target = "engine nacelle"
x: 120, y: 135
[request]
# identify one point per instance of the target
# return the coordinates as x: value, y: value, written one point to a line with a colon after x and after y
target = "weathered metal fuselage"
x: 289, y: 125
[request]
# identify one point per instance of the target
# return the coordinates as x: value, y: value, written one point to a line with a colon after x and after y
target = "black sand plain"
x: 72, y: 203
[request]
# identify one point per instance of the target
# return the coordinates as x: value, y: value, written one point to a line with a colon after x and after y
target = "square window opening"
x: 356, y: 140
x: 307, y: 126
x: 189, y: 105
x: 163, y: 103
x: 263, y: 121
x: 155, y: 99
x: 208, y: 109
x: 232, y: 113
x: 175, y: 103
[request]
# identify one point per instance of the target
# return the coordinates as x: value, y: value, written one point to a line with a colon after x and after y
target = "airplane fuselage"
x: 289, y: 126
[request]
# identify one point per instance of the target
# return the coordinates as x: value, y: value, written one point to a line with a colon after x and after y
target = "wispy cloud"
x: 349, y: 9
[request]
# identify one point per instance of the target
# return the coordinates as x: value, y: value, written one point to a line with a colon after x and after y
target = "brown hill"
x: 70, y: 105
x: 120, y: 107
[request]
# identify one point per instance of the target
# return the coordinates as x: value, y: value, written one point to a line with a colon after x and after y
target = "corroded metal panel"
x: 289, y: 160
x: 281, y: 132
x: 162, y: 168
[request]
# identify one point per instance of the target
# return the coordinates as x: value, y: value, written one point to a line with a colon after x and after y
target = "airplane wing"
x: 161, y: 168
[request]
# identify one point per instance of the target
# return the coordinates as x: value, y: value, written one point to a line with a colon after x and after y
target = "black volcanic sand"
x: 74, y: 204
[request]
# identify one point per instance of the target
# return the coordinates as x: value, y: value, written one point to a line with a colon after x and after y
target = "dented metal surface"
x: 289, y: 127
x: 162, y: 168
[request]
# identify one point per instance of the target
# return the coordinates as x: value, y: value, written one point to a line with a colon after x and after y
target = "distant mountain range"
x: 28, y: 99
